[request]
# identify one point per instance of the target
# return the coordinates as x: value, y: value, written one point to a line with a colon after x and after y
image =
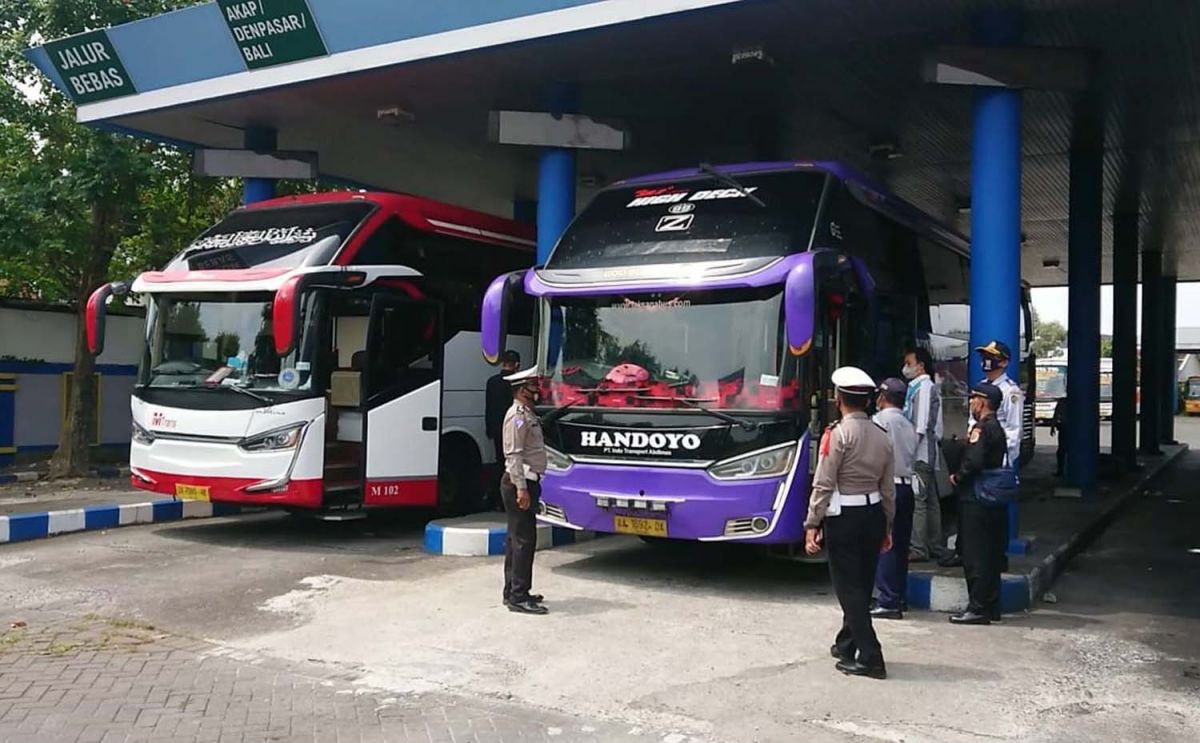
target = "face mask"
x: 909, y: 372
x: 990, y: 363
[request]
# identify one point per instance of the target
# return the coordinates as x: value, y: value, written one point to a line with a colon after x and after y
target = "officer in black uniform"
x: 984, y: 527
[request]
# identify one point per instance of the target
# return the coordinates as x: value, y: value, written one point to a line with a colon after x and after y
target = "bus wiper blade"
x: 558, y: 412
x: 243, y: 391
x: 745, y: 425
x: 730, y: 181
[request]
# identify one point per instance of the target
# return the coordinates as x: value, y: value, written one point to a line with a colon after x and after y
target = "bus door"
x: 402, y: 402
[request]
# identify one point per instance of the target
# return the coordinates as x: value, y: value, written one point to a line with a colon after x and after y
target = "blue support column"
x: 1083, y: 318
x: 1125, y: 275
x: 1170, y: 362
x: 258, y: 189
x: 996, y: 212
x: 1151, y: 356
x: 556, y: 179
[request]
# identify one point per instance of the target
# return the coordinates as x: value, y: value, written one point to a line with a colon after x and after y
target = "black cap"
x: 990, y: 391
x: 995, y: 348
x: 893, y: 386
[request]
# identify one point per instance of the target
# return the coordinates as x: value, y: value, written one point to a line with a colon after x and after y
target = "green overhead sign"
x: 90, y: 68
x: 272, y: 32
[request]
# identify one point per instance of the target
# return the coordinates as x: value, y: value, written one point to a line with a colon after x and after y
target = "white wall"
x: 50, y: 336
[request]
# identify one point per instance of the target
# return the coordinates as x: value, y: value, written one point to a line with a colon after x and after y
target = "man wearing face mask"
x: 850, y: 513
x: 923, y: 408
x: 994, y: 358
x: 984, y: 526
x: 520, y: 486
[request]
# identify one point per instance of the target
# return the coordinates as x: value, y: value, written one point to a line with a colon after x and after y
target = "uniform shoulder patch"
x: 974, y: 437
x: 1014, y: 397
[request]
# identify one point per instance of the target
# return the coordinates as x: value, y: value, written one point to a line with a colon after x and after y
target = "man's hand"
x: 812, y: 541
x: 523, y: 499
x: 887, y: 543
x: 1053, y: 431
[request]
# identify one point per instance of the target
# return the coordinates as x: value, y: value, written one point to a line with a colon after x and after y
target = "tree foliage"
x: 78, y: 205
x: 1048, y: 337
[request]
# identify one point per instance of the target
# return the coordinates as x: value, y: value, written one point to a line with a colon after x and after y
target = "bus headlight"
x: 141, y: 435
x: 771, y: 462
x: 280, y: 438
x: 557, y: 461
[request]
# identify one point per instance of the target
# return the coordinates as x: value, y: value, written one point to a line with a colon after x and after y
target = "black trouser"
x: 495, y: 497
x: 1061, y: 453
x: 986, y: 531
x: 853, y: 540
x: 892, y: 573
x: 520, y: 542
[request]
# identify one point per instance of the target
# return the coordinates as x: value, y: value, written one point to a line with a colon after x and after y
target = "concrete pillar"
x: 259, y: 189
x: 1170, y: 386
x: 996, y: 213
x: 1151, y: 352
x: 556, y: 178
x: 1083, y: 318
x: 1125, y: 276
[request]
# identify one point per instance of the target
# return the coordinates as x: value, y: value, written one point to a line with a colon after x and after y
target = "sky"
x: 1051, y: 304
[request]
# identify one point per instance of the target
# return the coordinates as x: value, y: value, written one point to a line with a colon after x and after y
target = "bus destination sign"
x: 90, y: 68
x: 272, y: 32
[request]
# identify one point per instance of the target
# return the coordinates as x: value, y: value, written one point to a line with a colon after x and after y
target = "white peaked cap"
x: 522, y: 376
x: 853, y: 380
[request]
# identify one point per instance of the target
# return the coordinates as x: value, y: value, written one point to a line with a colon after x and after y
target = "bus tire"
x: 459, y: 477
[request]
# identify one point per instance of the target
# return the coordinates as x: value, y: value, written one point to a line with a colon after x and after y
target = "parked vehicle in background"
x: 318, y: 353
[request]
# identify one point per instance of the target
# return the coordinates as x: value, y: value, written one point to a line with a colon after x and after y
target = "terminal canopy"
x: 396, y: 94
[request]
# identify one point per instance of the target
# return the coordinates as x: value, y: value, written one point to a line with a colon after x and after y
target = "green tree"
x: 77, y: 204
x: 1048, y: 337
x: 1106, y: 347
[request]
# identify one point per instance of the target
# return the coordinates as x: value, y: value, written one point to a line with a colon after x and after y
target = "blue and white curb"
x: 23, y: 527
x: 472, y: 537
x: 949, y: 593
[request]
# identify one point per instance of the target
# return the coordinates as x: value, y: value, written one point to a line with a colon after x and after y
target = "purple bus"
x: 687, y: 324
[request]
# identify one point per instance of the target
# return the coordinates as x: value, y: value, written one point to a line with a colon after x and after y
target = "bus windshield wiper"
x: 732, y: 182
x: 242, y: 391
x: 558, y: 412
x: 745, y: 425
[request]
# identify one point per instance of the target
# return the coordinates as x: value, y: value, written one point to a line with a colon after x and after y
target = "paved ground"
x: 46, y: 495
x: 270, y: 628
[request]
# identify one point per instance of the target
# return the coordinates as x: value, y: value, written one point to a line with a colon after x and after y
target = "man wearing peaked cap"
x: 520, y: 487
x: 850, y: 513
x: 994, y: 357
x: 984, y: 529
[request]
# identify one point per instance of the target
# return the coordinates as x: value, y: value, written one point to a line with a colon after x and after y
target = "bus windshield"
x: 670, y: 350
x: 695, y: 219
x: 1106, y: 393
x: 279, y: 237
x: 1052, y: 382
x: 217, y: 341
x: 1193, y: 388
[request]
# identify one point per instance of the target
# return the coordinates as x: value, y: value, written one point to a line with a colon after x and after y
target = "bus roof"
x: 873, y: 193
x: 424, y: 214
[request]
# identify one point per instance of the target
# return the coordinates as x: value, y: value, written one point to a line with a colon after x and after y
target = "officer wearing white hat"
x: 521, y: 489
x: 850, y: 513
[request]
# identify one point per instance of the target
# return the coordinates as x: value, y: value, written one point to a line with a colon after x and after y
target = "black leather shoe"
x: 996, y: 616
x: 969, y: 617
x: 536, y: 598
x: 854, y: 668
x: 527, y: 607
x: 951, y: 561
x: 838, y: 655
x: 880, y: 612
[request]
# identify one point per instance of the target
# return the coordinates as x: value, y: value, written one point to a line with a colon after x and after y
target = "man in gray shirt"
x: 891, y: 577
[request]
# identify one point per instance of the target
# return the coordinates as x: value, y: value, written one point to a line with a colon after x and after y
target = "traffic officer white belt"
x: 854, y: 501
x: 902, y: 480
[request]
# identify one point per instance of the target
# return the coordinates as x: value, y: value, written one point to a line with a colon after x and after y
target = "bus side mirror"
x: 97, y: 313
x: 800, y: 307
x: 287, y: 309
x: 497, y: 306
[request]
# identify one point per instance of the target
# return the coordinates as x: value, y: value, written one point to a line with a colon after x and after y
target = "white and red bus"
x: 320, y: 353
